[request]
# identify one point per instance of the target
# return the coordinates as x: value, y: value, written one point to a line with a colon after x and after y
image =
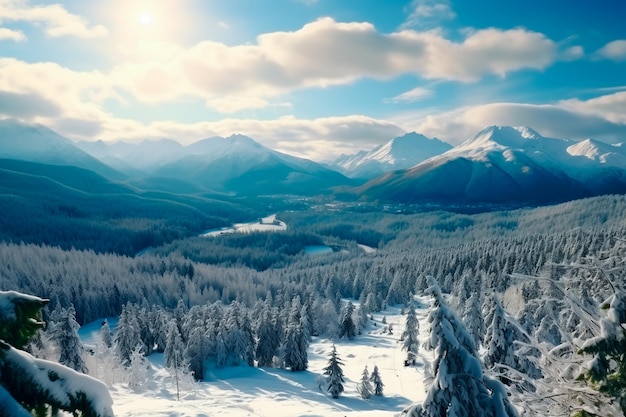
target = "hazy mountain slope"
x: 241, y: 165
x: 37, y: 143
x: 73, y: 207
x: 399, y: 153
x: 505, y: 164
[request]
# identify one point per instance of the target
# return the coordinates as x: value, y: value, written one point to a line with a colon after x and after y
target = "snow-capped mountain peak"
x: 399, y: 153
x: 603, y: 153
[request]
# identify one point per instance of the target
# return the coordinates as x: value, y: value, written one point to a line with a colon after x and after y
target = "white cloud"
x: 11, y: 35
x: 611, y: 107
x: 54, y: 18
x: 411, y: 96
x: 615, y: 50
x: 428, y: 14
x: 572, y: 119
x: 325, y: 53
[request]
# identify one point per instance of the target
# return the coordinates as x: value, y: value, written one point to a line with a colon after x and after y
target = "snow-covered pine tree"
x: 174, y: 346
x: 30, y: 385
x: 196, y: 350
x: 105, y: 334
x: 377, y: 381
x: 409, y: 336
x: 607, y: 370
x: 334, y: 374
x: 364, y: 388
x: 347, y: 327
x: 508, y: 345
x: 64, y: 333
x: 268, y: 339
x: 459, y: 387
x: 127, y: 334
x: 138, y: 372
x: 242, y: 341
x: 294, y: 352
x: 473, y: 319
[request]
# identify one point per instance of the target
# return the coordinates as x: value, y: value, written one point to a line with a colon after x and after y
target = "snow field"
x: 270, y: 392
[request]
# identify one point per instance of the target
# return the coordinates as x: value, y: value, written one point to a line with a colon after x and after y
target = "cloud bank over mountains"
x: 250, y: 87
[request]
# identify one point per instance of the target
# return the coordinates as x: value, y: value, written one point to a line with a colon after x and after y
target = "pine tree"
x: 137, y: 368
x: 334, y: 374
x: 196, y: 350
x: 607, y: 370
x: 64, y: 333
x: 268, y: 340
x: 365, y: 386
x: 459, y: 387
x: 409, y: 336
x: 127, y: 335
x: 503, y: 340
x: 105, y: 334
x: 34, y: 385
x: 295, y: 349
x: 347, y: 327
x: 174, y: 346
x: 377, y: 381
x: 473, y: 319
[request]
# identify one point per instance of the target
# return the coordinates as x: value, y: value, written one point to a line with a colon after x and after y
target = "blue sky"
x: 314, y: 78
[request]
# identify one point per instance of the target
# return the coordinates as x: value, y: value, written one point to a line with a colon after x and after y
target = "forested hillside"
x: 528, y: 268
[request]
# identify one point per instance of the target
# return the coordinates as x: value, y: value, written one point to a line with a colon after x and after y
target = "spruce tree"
x: 105, y: 334
x: 29, y: 385
x: 473, y: 319
x: 196, y: 350
x: 459, y: 387
x: 295, y: 348
x: 174, y: 346
x: 365, y: 388
x: 377, y: 381
x: 334, y: 374
x: 64, y: 332
x: 127, y: 334
x: 503, y: 341
x: 410, y: 342
x: 607, y: 370
x: 268, y: 340
x: 347, y: 327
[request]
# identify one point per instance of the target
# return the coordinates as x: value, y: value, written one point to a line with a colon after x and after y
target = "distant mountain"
x: 241, y: 165
x: 400, y: 153
x: 506, y: 164
x: 37, y: 143
x: 135, y: 158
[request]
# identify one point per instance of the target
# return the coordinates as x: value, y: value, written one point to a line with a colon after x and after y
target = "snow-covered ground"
x: 269, y: 392
x: 266, y: 224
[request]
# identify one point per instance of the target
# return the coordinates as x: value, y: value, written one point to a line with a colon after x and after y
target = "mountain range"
x: 500, y: 164
x: 399, y: 153
x: 504, y: 164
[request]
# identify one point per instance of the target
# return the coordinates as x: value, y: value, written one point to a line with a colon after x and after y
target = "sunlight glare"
x: 146, y: 19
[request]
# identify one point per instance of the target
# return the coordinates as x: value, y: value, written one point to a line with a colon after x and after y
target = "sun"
x: 146, y: 18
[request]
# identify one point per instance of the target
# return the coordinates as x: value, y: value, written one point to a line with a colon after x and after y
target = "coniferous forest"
x: 537, y: 304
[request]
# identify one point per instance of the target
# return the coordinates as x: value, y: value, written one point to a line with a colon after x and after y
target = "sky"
x: 314, y: 78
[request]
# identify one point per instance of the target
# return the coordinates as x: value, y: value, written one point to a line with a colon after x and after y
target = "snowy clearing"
x: 266, y: 224
x: 270, y: 392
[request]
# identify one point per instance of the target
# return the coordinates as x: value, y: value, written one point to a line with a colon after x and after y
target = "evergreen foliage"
x: 35, y: 385
x: 377, y: 381
x: 334, y: 374
x: 508, y: 349
x: 607, y: 370
x: 364, y: 388
x: 347, y: 327
x: 459, y: 387
x: 64, y: 333
x: 294, y: 353
x: 409, y: 336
